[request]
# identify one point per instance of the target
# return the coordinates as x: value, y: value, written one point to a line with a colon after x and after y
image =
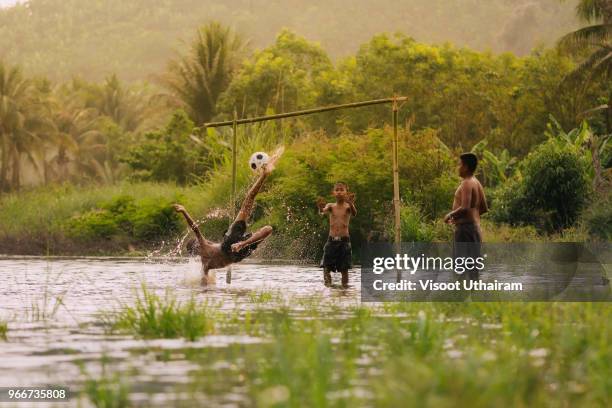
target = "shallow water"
x: 56, y: 336
x: 53, y: 308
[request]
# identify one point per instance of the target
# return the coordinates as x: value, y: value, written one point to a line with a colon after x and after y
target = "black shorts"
x: 337, y: 254
x: 468, y: 240
x: 237, y: 233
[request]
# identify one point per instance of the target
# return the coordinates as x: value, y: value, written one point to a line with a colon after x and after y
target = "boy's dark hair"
x: 341, y: 183
x: 470, y: 160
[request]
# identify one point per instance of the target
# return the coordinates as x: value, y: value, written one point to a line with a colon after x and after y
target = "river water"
x: 53, y: 308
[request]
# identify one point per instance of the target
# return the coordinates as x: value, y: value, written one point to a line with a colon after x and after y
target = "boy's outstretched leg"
x: 247, y: 205
x: 327, y: 279
x: 344, y: 279
x: 259, y: 235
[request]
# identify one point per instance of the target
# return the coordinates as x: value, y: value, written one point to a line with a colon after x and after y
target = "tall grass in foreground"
x: 156, y: 317
x: 410, y: 354
x: 107, y: 390
x: 3, y: 330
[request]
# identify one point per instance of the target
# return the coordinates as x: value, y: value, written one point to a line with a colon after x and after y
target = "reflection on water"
x: 53, y: 308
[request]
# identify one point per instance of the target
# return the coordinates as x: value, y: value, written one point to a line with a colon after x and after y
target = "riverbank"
x: 136, y: 219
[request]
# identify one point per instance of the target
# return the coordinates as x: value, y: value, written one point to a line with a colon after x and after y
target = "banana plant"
x: 494, y: 168
x: 500, y: 165
x: 583, y: 138
x: 579, y: 137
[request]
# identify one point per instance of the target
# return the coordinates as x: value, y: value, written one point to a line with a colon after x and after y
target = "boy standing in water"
x: 468, y: 205
x: 337, y: 251
x: 237, y: 243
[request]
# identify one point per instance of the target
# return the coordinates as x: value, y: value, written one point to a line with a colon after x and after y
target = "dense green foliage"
x: 55, y: 220
x: 286, y: 76
x: 468, y: 96
x: 552, y: 191
x: 500, y: 106
x: 316, y: 162
x: 171, y: 154
x: 141, y: 220
x: 135, y: 39
x: 593, y: 46
x: 598, y: 215
x: 71, y: 132
x: 83, y: 132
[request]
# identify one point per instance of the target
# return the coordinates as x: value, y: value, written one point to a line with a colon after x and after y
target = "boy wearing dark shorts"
x: 337, y: 251
x: 468, y: 205
x: 237, y: 243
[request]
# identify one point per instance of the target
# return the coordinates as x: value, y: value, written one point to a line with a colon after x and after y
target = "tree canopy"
x: 135, y: 39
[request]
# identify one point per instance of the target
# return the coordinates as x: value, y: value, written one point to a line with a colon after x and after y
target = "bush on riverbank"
x: 139, y: 220
x: 552, y: 189
x: 71, y: 220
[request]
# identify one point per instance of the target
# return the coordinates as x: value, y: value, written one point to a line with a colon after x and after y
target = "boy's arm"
x: 322, y: 206
x: 194, y: 227
x: 350, y: 199
x: 484, y: 207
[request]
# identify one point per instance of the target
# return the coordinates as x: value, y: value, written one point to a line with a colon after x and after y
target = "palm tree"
x: 21, y: 120
x: 198, y: 78
x: 126, y: 107
x: 76, y: 137
x: 596, y: 41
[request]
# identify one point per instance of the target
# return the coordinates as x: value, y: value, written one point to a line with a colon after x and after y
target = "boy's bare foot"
x: 269, y: 167
x: 208, y: 279
x: 237, y: 246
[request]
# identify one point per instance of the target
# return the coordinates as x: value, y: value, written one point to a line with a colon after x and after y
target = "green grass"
x: 46, y: 208
x: 39, y: 221
x: 154, y: 317
x: 107, y: 390
x: 3, y: 330
x: 319, y: 353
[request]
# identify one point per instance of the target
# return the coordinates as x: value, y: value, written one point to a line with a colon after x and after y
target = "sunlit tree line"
x: 500, y: 105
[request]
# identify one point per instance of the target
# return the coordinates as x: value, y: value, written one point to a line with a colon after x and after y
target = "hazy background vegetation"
x: 100, y: 122
x: 134, y: 39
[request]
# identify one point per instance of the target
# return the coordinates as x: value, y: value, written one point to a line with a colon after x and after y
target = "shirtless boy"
x: 337, y: 251
x: 468, y: 205
x: 237, y: 244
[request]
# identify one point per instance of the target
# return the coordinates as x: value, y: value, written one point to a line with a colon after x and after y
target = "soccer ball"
x: 258, y: 160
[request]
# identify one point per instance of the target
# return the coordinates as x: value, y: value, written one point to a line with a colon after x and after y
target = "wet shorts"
x: 337, y: 254
x: 237, y: 233
x: 468, y: 240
